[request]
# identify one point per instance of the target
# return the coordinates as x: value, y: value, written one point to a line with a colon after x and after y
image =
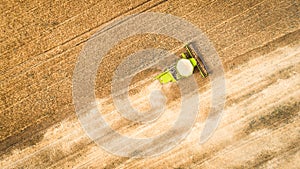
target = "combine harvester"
x: 184, y: 67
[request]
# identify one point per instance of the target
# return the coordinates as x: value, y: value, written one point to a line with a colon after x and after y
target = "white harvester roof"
x: 185, y: 67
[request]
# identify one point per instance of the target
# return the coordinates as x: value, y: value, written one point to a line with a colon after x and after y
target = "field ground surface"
x: 258, y: 45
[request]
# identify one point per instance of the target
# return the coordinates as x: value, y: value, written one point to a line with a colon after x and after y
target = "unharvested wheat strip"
x: 58, y: 33
x: 82, y: 8
x: 53, y: 58
x: 195, y: 9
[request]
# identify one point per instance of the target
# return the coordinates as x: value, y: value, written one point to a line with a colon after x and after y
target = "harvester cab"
x: 184, y: 67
